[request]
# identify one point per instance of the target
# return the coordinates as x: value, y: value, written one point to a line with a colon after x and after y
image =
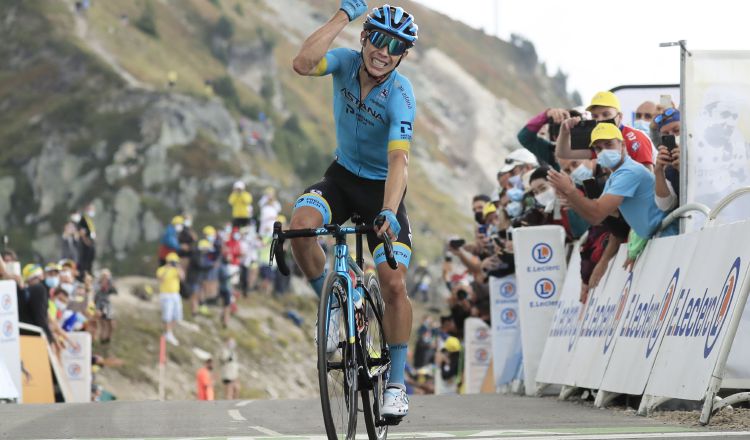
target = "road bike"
x: 361, y: 361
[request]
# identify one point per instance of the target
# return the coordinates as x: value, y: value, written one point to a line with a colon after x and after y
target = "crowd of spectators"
x: 603, y: 181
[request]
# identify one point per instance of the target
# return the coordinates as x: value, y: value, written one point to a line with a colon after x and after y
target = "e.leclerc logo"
x: 727, y: 294
x: 7, y: 329
x: 482, y: 334
x: 6, y: 302
x: 508, y: 316
x: 507, y: 289
x: 610, y: 335
x: 541, y: 253
x: 74, y: 370
x: 545, y: 288
x: 666, y: 301
x: 482, y: 355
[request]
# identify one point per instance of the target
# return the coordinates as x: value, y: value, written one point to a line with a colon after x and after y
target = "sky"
x: 601, y: 45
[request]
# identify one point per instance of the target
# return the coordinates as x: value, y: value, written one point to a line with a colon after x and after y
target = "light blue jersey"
x: 367, y: 131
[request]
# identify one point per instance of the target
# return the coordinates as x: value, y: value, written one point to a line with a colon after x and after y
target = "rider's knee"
x: 394, y: 289
x: 302, y: 221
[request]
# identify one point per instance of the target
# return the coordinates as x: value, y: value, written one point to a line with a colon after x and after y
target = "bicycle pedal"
x: 389, y: 421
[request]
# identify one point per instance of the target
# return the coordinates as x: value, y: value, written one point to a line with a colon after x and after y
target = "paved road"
x: 478, y: 417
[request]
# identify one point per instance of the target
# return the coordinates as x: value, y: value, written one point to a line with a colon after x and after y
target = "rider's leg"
x: 307, y: 252
x: 397, y: 319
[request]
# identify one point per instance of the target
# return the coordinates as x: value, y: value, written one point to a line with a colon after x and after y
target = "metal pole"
x: 684, y: 151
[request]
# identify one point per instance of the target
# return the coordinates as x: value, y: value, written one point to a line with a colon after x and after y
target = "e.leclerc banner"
x: 558, y: 350
x: 477, y: 354
x: 658, y: 277
x: 540, y: 271
x: 507, y: 355
x: 10, y: 345
x: 76, y: 362
x: 696, y: 327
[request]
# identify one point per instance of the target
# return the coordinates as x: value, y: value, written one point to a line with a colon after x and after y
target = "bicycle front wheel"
x: 337, y: 362
x: 376, y: 360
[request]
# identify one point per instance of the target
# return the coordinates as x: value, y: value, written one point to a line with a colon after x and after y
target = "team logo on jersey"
x: 383, y: 94
x: 349, y: 96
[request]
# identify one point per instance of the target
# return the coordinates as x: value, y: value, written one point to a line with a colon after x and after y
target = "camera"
x: 591, y: 188
x: 456, y: 243
x: 580, y: 135
x: 462, y: 294
x: 554, y: 129
x: 669, y: 141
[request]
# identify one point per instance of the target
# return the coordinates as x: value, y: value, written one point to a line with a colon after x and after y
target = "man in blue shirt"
x: 374, y: 109
x: 630, y: 187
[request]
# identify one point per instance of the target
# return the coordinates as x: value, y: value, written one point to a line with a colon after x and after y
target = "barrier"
x: 10, y: 344
x: 477, y: 354
x: 507, y: 356
x: 539, y: 254
x: 76, y: 363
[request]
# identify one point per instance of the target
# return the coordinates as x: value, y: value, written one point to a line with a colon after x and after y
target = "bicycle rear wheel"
x: 337, y: 371
x: 375, y: 351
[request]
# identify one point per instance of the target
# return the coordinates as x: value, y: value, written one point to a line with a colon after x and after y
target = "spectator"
x: 210, y: 261
x: 87, y: 234
x: 225, y: 287
x: 241, y: 202
x: 269, y: 212
x: 170, y: 241
x: 518, y: 163
x: 630, y: 188
x: 543, y: 149
x: 449, y: 362
x: 605, y: 107
x: 71, y: 243
x: 204, y: 381
x: 249, y: 247
x: 644, y: 114
x: 230, y: 370
x: 200, y: 263
x: 169, y: 276
x: 477, y: 206
x: 33, y: 301
x: 104, y: 289
x: 667, y: 169
x: 422, y: 281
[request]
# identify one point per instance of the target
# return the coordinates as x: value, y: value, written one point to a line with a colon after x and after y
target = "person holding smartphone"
x: 667, y: 168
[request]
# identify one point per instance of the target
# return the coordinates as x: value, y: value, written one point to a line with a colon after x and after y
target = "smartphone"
x: 580, y: 135
x: 665, y: 101
x: 554, y: 130
x: 13, y: 268
x: 669, y: 141
x: 591, y: 188
x: 483, y: 229
x: 457, y: 243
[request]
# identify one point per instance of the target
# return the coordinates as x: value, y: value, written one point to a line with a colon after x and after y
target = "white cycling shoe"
x: 334, y: 324
x: 395, y: 403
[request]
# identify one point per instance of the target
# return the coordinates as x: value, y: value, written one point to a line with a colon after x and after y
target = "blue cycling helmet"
x: 395, y: 21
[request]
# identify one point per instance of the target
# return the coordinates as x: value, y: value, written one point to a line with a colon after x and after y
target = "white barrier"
x: 477, y: 354
x: 540, y: 271
x: 10, y: 345
x: 507, y: 355
x: 76, y: 363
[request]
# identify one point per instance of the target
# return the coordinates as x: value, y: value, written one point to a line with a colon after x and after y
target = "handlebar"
x: 279, y: 236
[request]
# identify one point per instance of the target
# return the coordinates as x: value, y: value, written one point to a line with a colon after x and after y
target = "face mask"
x: 91, y: 213
x: 581, y: 173
x: 516, y: 181
x: 61, y: 306
x: 515, y: 194
x: 75, y: 218
x: 178, y: 228
x: 236, y: 236
x: 546, y: 198
x: 52, y: 282
x: 211, y: 238
x: 514, y: 209
x: 188, y: 223
x: 642, y: 125
x: 479, y: 217
x: 609, y: 158
x: 68, y: 288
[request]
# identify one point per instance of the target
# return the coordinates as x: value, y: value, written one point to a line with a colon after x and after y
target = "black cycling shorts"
x: 341, y: 194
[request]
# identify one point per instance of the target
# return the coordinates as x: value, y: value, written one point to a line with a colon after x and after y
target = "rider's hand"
x: 353, y: 8
x: 390, y: 226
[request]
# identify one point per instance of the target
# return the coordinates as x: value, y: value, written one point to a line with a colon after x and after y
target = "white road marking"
x: 266, y: 431
x: 244, y: 403
x: 235, y: 414
x: 680, y: 435
x: 506, y: 432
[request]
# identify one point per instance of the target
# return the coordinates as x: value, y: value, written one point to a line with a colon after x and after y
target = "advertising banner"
x: 717, y: 120
x: 696, y: 327
x: 558, y: 350
x: 601, y: 316
x: 10, y: 345
x: 658, y: 278
x: 507, y: 355
x: 76, y: 363
x: 477, y: 354
x: 540, y: 272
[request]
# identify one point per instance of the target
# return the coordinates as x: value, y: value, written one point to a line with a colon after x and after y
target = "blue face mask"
x: 514, y: 209
x: 642, y: 125
x: 581, y: 173
x: 609, y: 158
x: 52, y: 282
x: 515, y: 194
x: 516, y: 181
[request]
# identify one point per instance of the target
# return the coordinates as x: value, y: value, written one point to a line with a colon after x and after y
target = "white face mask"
x: 547, y: 198
x: 178, y: 228
x: 188, y: 223
x: 75, y: 218
x: 61, y: 306
x: 91, y: 213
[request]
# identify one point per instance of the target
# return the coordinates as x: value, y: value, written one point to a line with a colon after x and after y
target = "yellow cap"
x: 52, y: 267
x: 489, y: 208
x: 32, y: 271
x: 452, y: 344
x: 204, y: 245
x: 281, y: 218
x: 604, y: 99
x: 209, y: 230
x: 172, y: 258
x: 605, y: 131
x: 178, y: 220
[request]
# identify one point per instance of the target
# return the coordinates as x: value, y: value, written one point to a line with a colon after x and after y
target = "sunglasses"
x: 395, y: 46
x: 668, y: 113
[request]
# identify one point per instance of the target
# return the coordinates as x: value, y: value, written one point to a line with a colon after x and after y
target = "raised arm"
x: 563, y: 149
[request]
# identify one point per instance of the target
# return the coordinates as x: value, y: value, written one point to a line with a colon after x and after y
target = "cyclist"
x: 374, y: 109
